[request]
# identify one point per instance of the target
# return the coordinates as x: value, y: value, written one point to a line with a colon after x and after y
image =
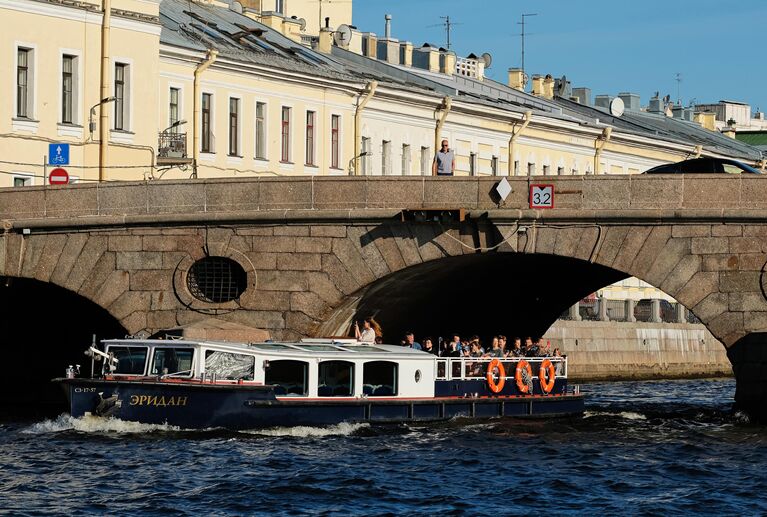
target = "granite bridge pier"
x: 305, y: 256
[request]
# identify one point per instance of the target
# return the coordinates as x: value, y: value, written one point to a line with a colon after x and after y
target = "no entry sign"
x: 58, y: 176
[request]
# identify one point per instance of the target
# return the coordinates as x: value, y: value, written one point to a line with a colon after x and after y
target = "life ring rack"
x: 547, y: 368
x: 521, y: 384
x: 495, y: 386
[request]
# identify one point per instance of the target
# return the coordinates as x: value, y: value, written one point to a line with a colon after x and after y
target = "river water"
x: 664, y: 447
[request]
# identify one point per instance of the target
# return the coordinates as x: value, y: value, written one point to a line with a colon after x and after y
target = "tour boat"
x: 198, y: 384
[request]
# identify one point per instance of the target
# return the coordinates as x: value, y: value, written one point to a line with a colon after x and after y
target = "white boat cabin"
x: 313, y: 368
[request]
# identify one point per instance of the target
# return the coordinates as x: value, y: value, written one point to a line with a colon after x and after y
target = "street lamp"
x: 353, y: 162
x: 174, y: 125
x: 91, y: 122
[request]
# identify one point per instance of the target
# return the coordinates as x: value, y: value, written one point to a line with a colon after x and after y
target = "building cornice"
x: 76, y: 10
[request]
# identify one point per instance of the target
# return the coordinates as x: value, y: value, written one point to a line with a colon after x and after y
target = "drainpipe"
x: 369, y: 92
x: 528, y: 116
x: 446, y: 106
x: 599, y: 144
x: 106, y: 20
x: 210, y: 58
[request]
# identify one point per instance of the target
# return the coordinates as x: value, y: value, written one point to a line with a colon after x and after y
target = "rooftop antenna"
x: 448, y: 25
x: 522, y: 23
x: 678, y: 87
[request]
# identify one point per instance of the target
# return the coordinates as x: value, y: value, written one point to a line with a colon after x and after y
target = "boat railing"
x: 467, y: 368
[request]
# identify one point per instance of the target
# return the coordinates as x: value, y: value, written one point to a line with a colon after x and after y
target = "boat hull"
x: 201, y: 406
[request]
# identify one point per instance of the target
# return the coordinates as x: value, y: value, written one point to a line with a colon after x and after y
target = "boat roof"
x: 310, y: 348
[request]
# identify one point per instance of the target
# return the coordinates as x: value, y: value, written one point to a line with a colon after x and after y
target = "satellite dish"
x: 236, y: 7
x: 488, y: 59
x: 617, y: 107
x: 343, y: 36
x: 302, y: 23
x: 562, y: 86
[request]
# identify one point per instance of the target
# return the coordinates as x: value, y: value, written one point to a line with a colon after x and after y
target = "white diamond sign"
x: 503, y: 188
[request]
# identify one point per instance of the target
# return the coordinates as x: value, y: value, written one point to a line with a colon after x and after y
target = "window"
x: 285, y: 156
x: 336, y: 379
x: 405, y: 160
x: 386, y: 157
x: 516, y: 167
x: 365, y: 160
x: 472, y: 164
x: 494, y: 165
x: 261, y: 130
x: 207, y: 102
x: 173, y: 110
x: 169, y: 361
x: 530, y: 169
x: 425, y: 161
x: 379, y: 379
x: 23, y: 83
x: 225, y: 365
x: 560, y: 171
x: 310, y: 116
x: 279, y: 6
x: 121, y: 96
x: 216, y: 280
x: 335, y: 127
x: 288, y: 377
x: 22, y: 181
x: 131, y: 360
x: 67, y: 89
x: 234, y: 127
x: 546, y: 170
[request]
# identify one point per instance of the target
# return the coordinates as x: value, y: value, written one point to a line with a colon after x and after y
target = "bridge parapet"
x: 604, y: 197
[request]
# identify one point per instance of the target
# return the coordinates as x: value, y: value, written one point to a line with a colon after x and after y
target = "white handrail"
x: 474, y: 367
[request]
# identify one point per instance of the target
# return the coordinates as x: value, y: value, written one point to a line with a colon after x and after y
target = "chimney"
x: 707, y: 119
x: 538, y: 85
x: 387, y: 31
x: 729, y: 131
x: 656, y: 105
x: 447, y: 62
x: 548, y: 87
x: 369, y: 45
x: 406, y: 53
x: 603, y: 101
x: 516, y: 79
x: 426, y: 58
x: 583, y: 95
x: 630, y: 100
x: 326, y: 40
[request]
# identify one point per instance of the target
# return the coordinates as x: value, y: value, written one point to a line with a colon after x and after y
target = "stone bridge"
x: 317, y: 253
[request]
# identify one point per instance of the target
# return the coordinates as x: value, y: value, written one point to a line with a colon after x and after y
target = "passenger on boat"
x: 544, y: 348
x: 527, y: 346
x: 370, y: 329
x: 557, y: 364
x: 516, y: 351
x: 502, y: 345
x: 428, y: 346
x: 410, y: 341
x: 454, y: 349
x: 495, y: 350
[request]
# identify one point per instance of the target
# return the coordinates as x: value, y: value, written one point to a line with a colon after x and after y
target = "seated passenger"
x: 502, y: 345
x: 429, y: 347
x: 410, y: 341
x: 495, y: 350
x: 544, y: 349
x: 531, y: 349
x: 557, y: 355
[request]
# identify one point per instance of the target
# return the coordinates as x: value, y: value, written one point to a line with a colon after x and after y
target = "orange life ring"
x: 547, y: 367
x: 494, y: 386
x: 521, y: 384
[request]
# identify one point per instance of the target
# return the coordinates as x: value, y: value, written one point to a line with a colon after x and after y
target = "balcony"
x: 171, y: 149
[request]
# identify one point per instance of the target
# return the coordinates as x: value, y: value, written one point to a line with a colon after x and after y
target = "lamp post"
x: 353, y: 161
x: 174, y: 125
x: 91, y: 122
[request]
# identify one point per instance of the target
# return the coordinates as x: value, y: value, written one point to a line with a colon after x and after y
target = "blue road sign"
x: 58, y: 154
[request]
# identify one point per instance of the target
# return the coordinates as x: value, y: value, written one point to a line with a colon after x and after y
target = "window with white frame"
x: 279, y: 6
x: 122, y: 96
x: 22, y: 180
x: 68, y: 91
x: 425, y: 161
x: 365, y: 159
x: 234, y: 126
x: 530, y: 169
x: 472, y: 164
x: 311, y: 117
x: 494, y: 165
x: 206, y: 132
x: 173, y: 109
x: 335, y: 141
x: 261, y: 130
x: 24, y: 82
x: 560, y: 171
x: 546, y: 170
x: 405, y: 159
x: 516, y: 167
x: 285, y: 125
x: 386, y: 157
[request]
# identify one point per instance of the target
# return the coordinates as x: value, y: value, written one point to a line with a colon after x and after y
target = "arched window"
x: 379, y: 379
x: 288, y: 377
x: 336, y: 379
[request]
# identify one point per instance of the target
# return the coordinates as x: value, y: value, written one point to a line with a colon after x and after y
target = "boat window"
x: 289, y: 377
x: 132, y: 360
x: 318, y: 348
x: 364, y: 349
x: 168, y: 361
x: 270, y: 346
x: 336, y: 379
x: 226, y: 365
x: 379, y: 379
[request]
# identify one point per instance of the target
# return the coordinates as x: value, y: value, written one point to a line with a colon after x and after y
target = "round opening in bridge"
x: 216, y: 280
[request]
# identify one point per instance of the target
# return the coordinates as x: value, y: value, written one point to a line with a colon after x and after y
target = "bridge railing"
x: 468, y: 368
x: 645, y: 310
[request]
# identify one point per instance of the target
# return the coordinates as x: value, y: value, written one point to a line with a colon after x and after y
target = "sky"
x: 717, y: 47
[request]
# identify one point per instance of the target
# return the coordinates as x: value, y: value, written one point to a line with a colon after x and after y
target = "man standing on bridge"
x: 444, y: 162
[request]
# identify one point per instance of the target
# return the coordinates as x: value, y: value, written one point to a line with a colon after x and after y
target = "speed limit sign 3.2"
x: 541, y: 196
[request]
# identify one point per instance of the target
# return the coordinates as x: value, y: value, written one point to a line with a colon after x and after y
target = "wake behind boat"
x: 204, y: 384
